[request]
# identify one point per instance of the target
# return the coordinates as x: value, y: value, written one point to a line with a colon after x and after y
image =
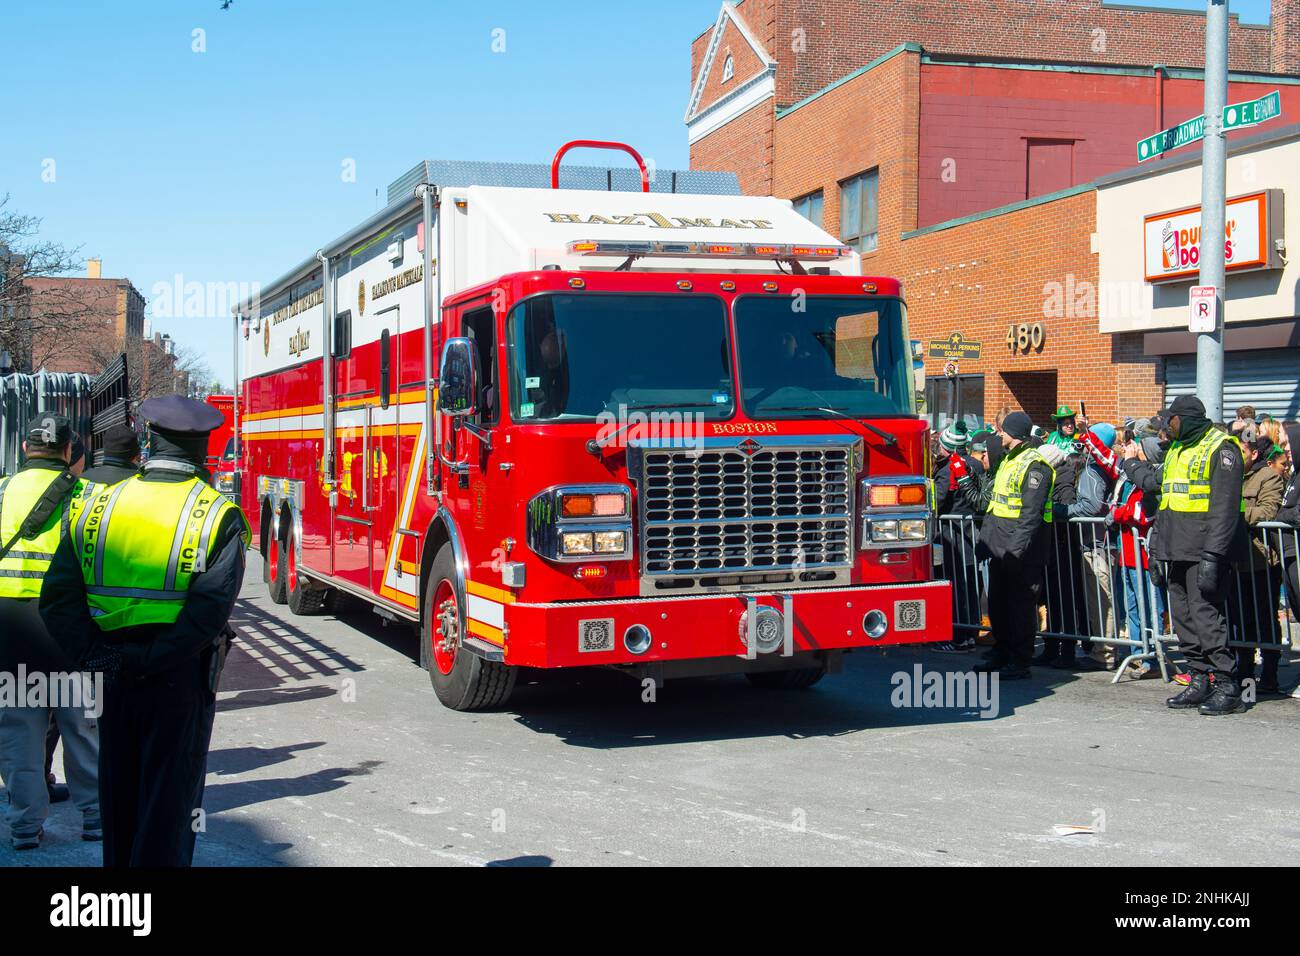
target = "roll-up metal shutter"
x: 1269, y: 380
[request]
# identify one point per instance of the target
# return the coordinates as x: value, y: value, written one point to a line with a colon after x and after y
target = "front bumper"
x: 701, y: 626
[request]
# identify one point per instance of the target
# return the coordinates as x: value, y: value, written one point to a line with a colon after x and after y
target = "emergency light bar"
x: 707, y: 250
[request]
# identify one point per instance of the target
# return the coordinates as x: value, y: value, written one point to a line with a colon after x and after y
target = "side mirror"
x: 458, y: 376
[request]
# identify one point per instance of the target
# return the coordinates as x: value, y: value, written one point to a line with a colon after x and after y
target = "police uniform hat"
x: 1065, y: 411
x: 180, y: 417
x: 50, y: 432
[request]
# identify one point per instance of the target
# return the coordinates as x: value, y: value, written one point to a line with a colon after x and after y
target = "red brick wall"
x: 1285, y: 23
x: 826, y: 141
x: 743, y: 147
x: 975, y: 121
x: 1028, y: 266
x: 843, y: 35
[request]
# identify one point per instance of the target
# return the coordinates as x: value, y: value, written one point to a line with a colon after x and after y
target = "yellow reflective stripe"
x: 180, y: 535
x: 103, y: 532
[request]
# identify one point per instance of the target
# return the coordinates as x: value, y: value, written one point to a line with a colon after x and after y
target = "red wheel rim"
x: 444, y: 627
x: 275, y: 560
x: 292, y: 580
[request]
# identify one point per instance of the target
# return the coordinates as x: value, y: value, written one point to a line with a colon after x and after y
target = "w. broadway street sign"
x: 1180, y: 135
x: 1235, y: 116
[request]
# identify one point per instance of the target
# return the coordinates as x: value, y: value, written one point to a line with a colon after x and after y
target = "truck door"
x: 356, y: 397
x: 475, y: 492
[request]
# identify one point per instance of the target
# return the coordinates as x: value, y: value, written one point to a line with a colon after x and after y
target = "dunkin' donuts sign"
x: 1173, y: 239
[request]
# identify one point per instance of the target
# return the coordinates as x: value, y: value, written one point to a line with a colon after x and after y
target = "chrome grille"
x: 720, y: 510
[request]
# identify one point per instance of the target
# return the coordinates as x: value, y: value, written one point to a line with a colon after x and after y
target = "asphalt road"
x: 330, y: 748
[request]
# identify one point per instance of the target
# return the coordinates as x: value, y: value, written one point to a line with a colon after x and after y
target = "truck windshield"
x: 802, y: 353
x: 573, y: 357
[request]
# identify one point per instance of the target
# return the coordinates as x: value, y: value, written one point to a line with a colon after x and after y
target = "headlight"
x: 610, y: 542
x: 579, y: 522
x: 914, y: 529
x: 576, y: 542
x: 884, y: 531
x: 894, y: 512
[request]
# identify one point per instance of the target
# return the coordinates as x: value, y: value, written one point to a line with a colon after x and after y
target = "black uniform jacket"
x: 109, y: 472
x: 1028, y: 538
x: 150, y: 649
x: 1220, y: 531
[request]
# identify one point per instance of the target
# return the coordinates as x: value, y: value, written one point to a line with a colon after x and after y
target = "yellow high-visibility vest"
x: 1008, y: 499
x: 1185, y: 481
x: 23, y: 568
x: 141, y: 543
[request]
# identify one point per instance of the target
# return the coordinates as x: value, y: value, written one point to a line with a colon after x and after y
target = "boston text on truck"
x: 671, y: 432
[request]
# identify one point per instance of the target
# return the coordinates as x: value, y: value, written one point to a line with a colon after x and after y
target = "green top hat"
x: 1065, y: 411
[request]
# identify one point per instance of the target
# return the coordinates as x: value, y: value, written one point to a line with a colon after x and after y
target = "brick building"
x: 954, y: 160
x: 79, y: 323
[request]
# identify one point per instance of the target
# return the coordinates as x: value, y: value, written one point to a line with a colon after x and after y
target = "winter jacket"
x: 1262, y: 492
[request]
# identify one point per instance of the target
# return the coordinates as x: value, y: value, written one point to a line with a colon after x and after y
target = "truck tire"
x: 787, y: 680
x: 304, y: 596
x: 461, y: 679
x: 276, y: 570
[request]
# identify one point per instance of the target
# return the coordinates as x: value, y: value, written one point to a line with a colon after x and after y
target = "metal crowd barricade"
x: 1263, y: 600
x: 1083, y: 588
x: 22, y: 397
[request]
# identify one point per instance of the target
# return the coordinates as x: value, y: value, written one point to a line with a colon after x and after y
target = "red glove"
x: 956, y: 471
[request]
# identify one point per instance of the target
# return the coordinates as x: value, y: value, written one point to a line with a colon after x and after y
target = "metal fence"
x: 1098, y: 589
x: 22, y: 397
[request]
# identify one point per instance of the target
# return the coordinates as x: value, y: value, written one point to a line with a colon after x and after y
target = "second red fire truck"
x: 665, y: 432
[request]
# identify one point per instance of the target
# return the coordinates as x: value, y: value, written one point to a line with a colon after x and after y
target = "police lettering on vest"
x: 1185, y: 482
x: 142, y: 542
x: 1008, y: 497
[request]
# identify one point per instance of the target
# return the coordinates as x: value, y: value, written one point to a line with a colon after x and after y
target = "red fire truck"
x: 664, y: 432
x: 221, y: 446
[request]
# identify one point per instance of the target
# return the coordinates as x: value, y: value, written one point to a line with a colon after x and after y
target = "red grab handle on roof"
x: 598, y: 144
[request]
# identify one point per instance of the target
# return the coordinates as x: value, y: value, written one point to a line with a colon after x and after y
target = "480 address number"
x: 1026, y: 338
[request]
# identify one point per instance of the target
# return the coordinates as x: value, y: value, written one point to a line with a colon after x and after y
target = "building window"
x: 858, y: 210
x: 728, y: 69
x: 947, y: 399
x: 810, y: 207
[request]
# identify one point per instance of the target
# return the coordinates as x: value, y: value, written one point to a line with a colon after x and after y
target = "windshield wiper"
x: 594, y: 445
x: 889, y: 438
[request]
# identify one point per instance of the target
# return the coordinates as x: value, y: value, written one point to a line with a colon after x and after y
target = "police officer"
x: 121, y: 458
x: 142, y: 590
x: 1200, y: 530
x: 1016, y: 539
x: 34, y: 516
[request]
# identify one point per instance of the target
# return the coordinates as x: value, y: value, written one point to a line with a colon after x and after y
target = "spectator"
x: 956, y: 549
x: 1244, y: 425
x: 1096, y: 478
x: 1253, y: 615
x: 1289, y: 514
x: 1271, y: 429
x: 1133, y: 516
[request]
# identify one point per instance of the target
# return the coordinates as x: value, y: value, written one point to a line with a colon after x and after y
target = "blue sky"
x: 227, y: 165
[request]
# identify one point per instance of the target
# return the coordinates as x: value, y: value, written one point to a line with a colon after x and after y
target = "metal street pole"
x: 1214, y: 171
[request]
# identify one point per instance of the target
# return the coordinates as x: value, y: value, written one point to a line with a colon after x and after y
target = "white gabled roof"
x: 726, y: 15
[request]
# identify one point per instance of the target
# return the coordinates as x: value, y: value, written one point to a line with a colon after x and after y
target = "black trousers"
x: 153, y: 755
x: 1202, y: 627
x: 1014, y: 590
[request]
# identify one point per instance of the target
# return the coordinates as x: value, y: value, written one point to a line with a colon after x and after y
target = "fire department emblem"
x: 361, y: 297
x: 749, y: 447
x: 266, y: 337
